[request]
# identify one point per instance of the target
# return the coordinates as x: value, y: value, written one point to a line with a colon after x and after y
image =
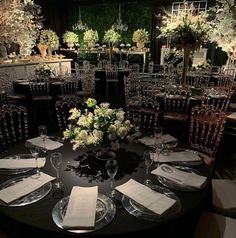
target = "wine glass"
x: 112, y: 168
x: 34, y: 150
x: 42, y: 130
x: 56, y: 161
x: 157, y: 132
x: 148, y: 160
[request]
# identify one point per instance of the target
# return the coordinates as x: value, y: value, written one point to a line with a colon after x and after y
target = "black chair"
x: 63, y: 107
x: 13, y: 125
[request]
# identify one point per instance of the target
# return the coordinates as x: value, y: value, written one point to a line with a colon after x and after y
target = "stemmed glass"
x: 34, y: 150
x: 56, y: 161
x: 148, y: 160
x: 42, y: 130
x: 112, y: 168
x: 157, y: 132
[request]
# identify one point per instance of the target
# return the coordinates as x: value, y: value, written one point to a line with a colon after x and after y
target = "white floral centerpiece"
x: 43, y: 70
x: 70, y: 38
x: 187, y: 30
x: 90, y: 37
x: 49, y: 38
x: 140, y: 36
x: 20, y: 23
x: 99, y: 125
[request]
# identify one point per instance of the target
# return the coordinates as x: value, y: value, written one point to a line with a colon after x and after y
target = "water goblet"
x: 56, y: 161
x: 34, y: 150
x: 157, y: 133
x: 148, y: 160
x: 42, y: 130
x: 111, y: 168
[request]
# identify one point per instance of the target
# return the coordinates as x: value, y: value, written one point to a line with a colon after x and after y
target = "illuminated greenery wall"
x: 100, y: 17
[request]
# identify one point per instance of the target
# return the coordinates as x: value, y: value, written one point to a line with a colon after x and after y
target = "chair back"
x: 13, y: 125
x: 70, y: 87
x: 39, y: 86
x: 176, y: 101
x: 206, y: 126
x: 111, y: 75
x: 63, y: 109
x: 150, y: 67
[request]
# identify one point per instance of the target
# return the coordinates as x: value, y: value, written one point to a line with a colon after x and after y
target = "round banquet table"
x: 35, y: 220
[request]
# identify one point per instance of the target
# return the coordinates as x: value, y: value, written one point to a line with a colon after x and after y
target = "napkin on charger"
x: 49, y: 144
x: 180, y: 177
x: 81, y: 209
x: 24, y: 187
x: 150, y: 141
x: 145, y: 196
x: 22, y: 163
x: 182, y: 156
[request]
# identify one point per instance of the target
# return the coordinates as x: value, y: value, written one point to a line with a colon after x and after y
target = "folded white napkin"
x: 21, y: 163
x: 182, y: 156
x: 49, y: 144
x: 150, y: 141
x: 145, y: 196
x: 180, y: 177
x: 24, y: 187
x: 81, y: 209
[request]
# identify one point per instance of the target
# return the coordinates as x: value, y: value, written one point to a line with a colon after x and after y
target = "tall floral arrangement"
x: 70, y: 37
x: 111, y: 36
x: 98, y: 125
x: 140, y: 35
x: 20, y: 23
x: 90, y: 36
x: 223, y: 26
x: 49, y: 38
x: 187, y: 30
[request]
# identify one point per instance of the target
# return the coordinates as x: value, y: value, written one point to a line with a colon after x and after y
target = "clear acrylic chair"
x: 206, y: 127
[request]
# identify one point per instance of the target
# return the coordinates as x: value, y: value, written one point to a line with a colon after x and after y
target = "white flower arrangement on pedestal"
x: 90, y: 36
x: 140, y: 35
x: 70, y: 37
x: 49, y: 38
x: 99, y: 125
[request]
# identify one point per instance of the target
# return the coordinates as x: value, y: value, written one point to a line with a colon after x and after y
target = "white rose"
x: 120, y: 115
x: 112, y: 129
x: 74, y: 114
x: 122, y: 132
x: 84, y: 121
x: 83, y: 135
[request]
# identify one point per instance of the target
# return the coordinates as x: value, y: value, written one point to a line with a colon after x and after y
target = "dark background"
x: 100, y: 15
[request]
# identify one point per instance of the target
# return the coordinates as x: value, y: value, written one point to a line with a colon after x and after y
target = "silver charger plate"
x: 177, y: 186
x: 105, y: 212
x: 140, y: 211
x: 29, y: 198
x: 17, y: 171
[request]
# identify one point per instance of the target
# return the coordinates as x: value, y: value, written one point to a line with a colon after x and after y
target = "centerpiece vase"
x: 140, y: 45
x: 187, y: 52
x: 105, y: 153
x: 49, y: 52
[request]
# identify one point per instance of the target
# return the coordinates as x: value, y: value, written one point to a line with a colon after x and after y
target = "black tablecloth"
x: 35, y: 220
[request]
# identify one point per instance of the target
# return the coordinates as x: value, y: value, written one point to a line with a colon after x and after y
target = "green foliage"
x: 101, y: 17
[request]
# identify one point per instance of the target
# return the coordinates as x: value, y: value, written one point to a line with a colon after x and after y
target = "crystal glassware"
x: 111, y: 168
x: 148, y: 160
x: 35, y: 151
x: 42, y: 131
x: 56, y: 161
